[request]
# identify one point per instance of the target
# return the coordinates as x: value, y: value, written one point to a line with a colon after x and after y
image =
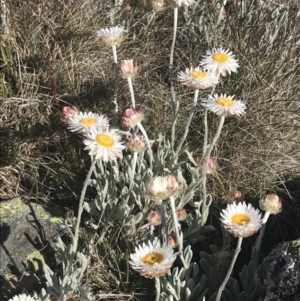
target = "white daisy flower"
x: 241, y: 220
x: 220, y: 61
x: 104, y: 145
x: 22, y: 297
x: 112, y: 36
x: 224, y: 105
x: 184, y: 2
x: 83, y: 122
x: 198, y: 79
x: 152, y: 260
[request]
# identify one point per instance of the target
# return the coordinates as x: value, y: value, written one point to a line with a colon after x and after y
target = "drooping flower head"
x: 152, y: 260
x: 178, y: 3
x: 137, y: 143
x: 131, y: 117
x: 112, y: 36
x: 241, y: 220
x: 83, y: 122
x: 154, y: 218
x: 161, y: 188
x: 104, y: 145
x: 224, y: 105
x: 197, y: 78
x: 220, y: 60
x: 22, y: 297
x: 128, y: 69
x: 68, y: 112
x: 271, y: 203
x: 212, y: 165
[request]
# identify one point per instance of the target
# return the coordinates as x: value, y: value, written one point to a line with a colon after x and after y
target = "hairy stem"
x: 140, y: 126
x: 80, y: 208
x: 131, y: 91
x: 236, y: 253
x: 205, y: 208
x: 186, y: 130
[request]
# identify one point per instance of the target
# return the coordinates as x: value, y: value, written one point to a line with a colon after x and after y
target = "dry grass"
x: 51, y: 58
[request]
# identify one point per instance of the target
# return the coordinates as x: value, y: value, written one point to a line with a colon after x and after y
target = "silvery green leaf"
x: 172, y: 291
x: 138, y: 217
x: 188, y: 254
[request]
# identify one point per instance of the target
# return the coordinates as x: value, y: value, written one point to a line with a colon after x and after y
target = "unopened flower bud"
x: 172, y: 240
x: 211, y: 165
x: 131, y: 117
x: 181, y: 214
x: 128, y: 69
x: 158, y: 5
x: 161, y: 188
x: 271, y: 203
x: 234, y: 196
x: 68, y: 112
x: 154, y: 218
x: 137, y: 143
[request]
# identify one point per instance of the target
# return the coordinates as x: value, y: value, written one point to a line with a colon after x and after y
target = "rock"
x: 279, y: 274
x: 27, y: 241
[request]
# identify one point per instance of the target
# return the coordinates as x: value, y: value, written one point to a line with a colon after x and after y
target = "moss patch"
x: 293, y: 247
x: 35, y: 258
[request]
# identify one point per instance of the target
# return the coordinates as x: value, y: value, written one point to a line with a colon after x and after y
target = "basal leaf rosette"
x: 152, y: 260
x: 160, y: 188
x: 241, y: 220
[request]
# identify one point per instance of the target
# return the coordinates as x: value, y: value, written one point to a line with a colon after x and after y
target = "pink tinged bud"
x: 271, y: 203
x: 234, y: 196
x: 128, y: 69
x: 172, y: 240
x: 154, y: 218
x: 127, y: 7
x: 137, y: 143
x: 158, y: 5
x: 131, y: 117
x: 211, y: 165
x: 68, y: 112
x: 181, y: 214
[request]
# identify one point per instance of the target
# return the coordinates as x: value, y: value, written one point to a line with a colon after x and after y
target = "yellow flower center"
x: 220, y: 57
x: 89, y: 121
x: 152, y: 258
x: 105, y: 140
x: 198, y: 74
x: 240, y: 219
x: 225, y: 102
